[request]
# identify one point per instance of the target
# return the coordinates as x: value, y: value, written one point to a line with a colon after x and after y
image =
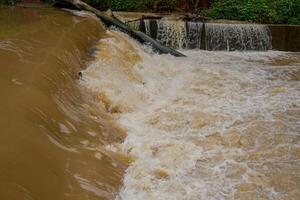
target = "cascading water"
x: 179, y: 34
x: 176, y: 34
x: 232, y: 37
x: 172, y: 33
x: 147, y: 27
x: 217, y: 36
x: 211, y: 126
x: 194, y: 35
x: 135, y: 24
x: 214, y: 125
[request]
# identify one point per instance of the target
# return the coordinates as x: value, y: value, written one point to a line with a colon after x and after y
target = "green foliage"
x: 9, y: 2
x: 252, y: 10
x: 266, y: 11
x: 132, y: 5
x: 122, y: 4
x: 285, y: 11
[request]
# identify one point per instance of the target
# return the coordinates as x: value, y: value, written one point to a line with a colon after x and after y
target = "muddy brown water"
x: 51, y: 129
x: 213, y: 125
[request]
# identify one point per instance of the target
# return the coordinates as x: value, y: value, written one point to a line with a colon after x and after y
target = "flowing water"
x: 179, y: 34
x: 52, y: 131
x: 174, y: 33
x: 209, y: 36
x: 214, y: 125
x: 232, y: 37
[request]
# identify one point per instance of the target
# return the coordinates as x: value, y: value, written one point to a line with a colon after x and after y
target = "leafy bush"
x: 266, y: 11
x: 132, y: 5
x: 122, y: 4
x: 285, y: 11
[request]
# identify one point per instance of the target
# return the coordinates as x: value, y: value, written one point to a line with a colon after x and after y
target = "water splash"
x: 215, y: 125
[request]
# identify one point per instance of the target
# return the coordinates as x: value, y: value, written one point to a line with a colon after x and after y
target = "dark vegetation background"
x: 262, y: 11
x: 152, y: 5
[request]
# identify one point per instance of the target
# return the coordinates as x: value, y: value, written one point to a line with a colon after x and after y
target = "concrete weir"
x: 223, y: 35
x: 285, y: 37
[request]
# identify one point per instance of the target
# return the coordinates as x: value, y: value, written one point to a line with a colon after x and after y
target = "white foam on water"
x: 180, y: 112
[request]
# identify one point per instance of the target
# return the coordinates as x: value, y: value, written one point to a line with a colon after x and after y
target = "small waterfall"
x: 209, y: 36
x: 194, y: 34
x: 147, y: 27
x: 232, y: 37
x: 179, y: 34
x: 136, y: 25
x: 172, y: 33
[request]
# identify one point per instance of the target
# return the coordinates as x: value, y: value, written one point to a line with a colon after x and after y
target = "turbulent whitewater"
x: 214, y: 125
x: 135, y: 125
